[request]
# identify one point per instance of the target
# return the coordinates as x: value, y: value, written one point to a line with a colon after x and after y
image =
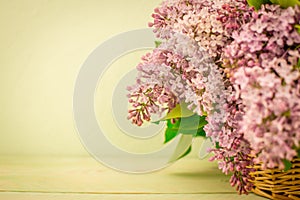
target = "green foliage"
x: 179, y: 111
x: 170, y: 133
x: 157, y: 43
x: 200, y: 132
x: 183, y: 147
x: 218, y: 145
x: 186, y: 153
x: 286, y: 3
x: 181, y: 120
x: 287, y: 164
x: 297, y: 67
x: 257, y: 3
x: 192, y: 125
x: 297, y: 27
x: 283, y: 3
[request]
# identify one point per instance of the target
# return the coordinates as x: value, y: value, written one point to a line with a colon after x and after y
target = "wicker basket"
x: 278, y: 184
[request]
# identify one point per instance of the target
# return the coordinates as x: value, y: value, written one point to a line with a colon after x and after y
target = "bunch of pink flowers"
x: 238, y: 67
x: 263, y: 65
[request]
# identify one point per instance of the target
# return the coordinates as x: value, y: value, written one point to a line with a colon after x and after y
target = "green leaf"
x: 182, y: 147
x: 179, y: 111
x: 173, y: 125
x: 186, y: 153
x: 286, y: 3
x: 156, y: 122
x: 193, y: 122
x: 172, y: 130
x: 200, y: 133
x: 257, y: 3
x: 298, y: 151
x: 170, y: 134
x: 157, y: 43
x: 192, y: 125
x: 287, y: 164
x: 297, y: 27
x: 218, y: 145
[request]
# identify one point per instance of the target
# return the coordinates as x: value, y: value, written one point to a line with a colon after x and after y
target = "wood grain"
x: 35, y: 196
x: 72, y: 177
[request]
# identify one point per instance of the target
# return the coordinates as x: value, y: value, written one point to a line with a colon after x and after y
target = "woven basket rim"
x: 276, y: 183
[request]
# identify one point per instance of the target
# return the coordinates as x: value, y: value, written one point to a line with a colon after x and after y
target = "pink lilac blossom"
x: 203, y: 77
x: 180, y: 66
x: 157, y: 87
x: 234, y: 152
x: 262, y: 62
x: 185, y: 70
x: 209, y: 22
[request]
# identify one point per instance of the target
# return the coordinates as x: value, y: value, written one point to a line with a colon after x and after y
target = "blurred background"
x: 43, y: 45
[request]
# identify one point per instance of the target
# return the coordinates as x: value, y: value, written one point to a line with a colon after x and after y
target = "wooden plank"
x: 34, y: 196
x: 85, y: 175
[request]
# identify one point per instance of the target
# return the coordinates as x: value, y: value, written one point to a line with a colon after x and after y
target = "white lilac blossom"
x: 263, y: 66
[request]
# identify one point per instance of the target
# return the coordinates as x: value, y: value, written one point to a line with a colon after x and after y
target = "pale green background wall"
x: 43, y: 44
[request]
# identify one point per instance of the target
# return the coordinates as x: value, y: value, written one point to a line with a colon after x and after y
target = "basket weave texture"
x: 278, y: 184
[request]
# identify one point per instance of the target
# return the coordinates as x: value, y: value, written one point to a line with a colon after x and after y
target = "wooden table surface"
x: 74, y: 178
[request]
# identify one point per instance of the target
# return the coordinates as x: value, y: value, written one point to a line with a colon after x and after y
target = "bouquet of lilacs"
x: 232, y: 68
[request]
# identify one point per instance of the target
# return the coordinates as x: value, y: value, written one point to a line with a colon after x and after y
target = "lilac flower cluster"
x: 233, y: 152
x: 182, y: 71
x: 263, y: 65
x: 157, y: 87
x: 209, y: 22
x: 254, y: 116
